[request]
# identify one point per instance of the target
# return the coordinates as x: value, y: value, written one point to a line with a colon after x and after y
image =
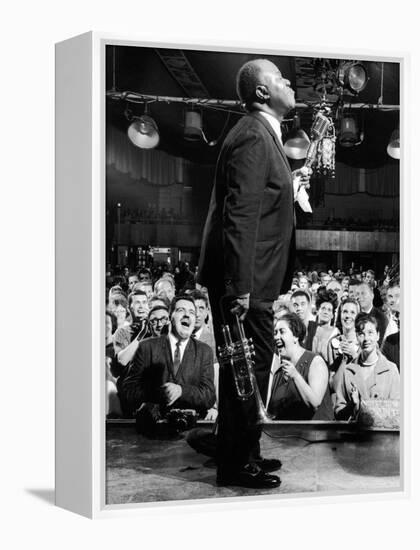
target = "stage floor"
x: 317, y: 458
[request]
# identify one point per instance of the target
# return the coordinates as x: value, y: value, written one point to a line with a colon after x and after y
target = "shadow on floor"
x: 47, y: 495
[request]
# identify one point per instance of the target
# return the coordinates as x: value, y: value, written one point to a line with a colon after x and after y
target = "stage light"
x: 353, y: 76
x: 393, y: 148
x: 143, y: 132
x: 297, y: 143
x: 349, y: 134
x: 193, y: 126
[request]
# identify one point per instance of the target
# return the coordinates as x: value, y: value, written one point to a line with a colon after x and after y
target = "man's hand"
x: 211, y: 415
x: 355, y: 397
x: 171, y: 392
x: 301, y: 178
x: 240, y: 306
x: 349, y: 348
x: 288, y: 369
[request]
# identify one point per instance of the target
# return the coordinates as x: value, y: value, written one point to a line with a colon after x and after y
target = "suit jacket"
x: 383, y: 384
x: 391, y: 348
x: 207, y: 337
x: 249, y: 236
x: 152, y: 366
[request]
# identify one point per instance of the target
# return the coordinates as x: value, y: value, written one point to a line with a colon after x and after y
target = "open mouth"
x: 280, y: 345
x: 185, y: 323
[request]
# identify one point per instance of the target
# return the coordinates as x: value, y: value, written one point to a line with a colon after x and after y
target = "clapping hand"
x: 171, y: 392
x: 288, y: 369
x: 355, y: 397
x: 349, y: 348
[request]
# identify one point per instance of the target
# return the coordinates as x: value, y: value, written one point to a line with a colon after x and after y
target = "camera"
x: 181, y: 420
x: 152, y: 423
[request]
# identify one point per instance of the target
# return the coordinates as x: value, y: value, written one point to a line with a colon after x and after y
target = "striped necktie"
x: 177, y: 356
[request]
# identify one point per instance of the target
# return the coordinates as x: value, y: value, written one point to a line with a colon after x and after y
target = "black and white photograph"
x: 210, y: 214
x: 252, y: 274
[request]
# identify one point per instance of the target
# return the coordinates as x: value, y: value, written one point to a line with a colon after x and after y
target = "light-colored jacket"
x: 384, y: 383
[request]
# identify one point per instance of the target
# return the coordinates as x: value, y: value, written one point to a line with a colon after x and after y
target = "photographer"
x: 173, y: 370
x: 127, y: 338
x: 126, y: 341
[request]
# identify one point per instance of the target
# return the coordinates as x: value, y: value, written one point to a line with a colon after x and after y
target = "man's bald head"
x: 249, y: 76
x: 261, y: 86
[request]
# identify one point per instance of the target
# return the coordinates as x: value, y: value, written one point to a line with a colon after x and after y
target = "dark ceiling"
x: 201, y: 74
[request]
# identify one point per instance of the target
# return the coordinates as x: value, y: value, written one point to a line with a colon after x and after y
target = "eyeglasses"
x: 156, y: 320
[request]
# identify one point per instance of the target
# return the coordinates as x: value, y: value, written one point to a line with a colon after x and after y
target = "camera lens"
x: 181, y: 424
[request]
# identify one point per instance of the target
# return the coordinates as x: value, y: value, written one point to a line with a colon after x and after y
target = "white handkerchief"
x: 302, y: 198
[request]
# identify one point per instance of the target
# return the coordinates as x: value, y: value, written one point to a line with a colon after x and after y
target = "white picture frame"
x: 80, y: 241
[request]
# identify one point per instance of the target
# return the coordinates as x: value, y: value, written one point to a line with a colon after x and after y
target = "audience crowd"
x: 336, y: 335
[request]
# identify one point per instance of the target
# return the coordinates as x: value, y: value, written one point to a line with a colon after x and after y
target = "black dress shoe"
x: 252, y: 477
x: 268, y: 464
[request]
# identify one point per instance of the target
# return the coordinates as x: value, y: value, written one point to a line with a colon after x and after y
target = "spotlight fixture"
x: 193, y: 126
x: 349, y: 133
x: 353, y: 76
x: 393, y: 148
x: 143, y: 131
x: 297, y: 143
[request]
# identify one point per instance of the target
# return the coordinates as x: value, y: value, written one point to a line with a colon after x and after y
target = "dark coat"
x: 249, y: 236
x: 152, y: 366
x: 391, y: 348
x: 382, y: 321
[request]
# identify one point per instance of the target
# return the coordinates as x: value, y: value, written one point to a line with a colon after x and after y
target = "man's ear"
x: 262, y: 93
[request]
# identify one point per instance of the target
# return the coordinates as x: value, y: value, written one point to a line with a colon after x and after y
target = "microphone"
x: 319, y: 130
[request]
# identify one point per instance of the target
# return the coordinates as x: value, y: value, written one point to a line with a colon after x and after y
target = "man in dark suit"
x: 364, y: 295
x: 201, y: 329
x: 173, y: 370
x: 247, y: 256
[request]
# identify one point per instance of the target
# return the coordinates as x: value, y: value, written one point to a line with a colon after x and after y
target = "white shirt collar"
x: 274, y: 123
x: 198, y: 333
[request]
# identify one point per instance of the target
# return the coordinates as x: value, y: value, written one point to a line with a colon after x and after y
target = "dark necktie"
x: 177, y: 356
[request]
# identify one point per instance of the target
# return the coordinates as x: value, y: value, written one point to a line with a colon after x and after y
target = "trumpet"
x: 238, y: 355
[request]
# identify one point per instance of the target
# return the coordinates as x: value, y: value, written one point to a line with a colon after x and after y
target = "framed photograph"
x: 237, y: 214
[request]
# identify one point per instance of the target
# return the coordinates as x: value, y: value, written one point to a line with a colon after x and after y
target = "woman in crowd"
x: 344, y: 348
x: 299, y: 388
x: 370, y: 376
x: 326, y: 303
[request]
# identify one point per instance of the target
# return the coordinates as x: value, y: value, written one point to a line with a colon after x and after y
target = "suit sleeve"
x: 133, y: 388
x: 394, y: 392
x: 343, y: 408
x: 246, y: 179
x: 202, y: 395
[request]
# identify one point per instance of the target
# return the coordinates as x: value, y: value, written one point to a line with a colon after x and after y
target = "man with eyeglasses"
x: 158, y: 320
